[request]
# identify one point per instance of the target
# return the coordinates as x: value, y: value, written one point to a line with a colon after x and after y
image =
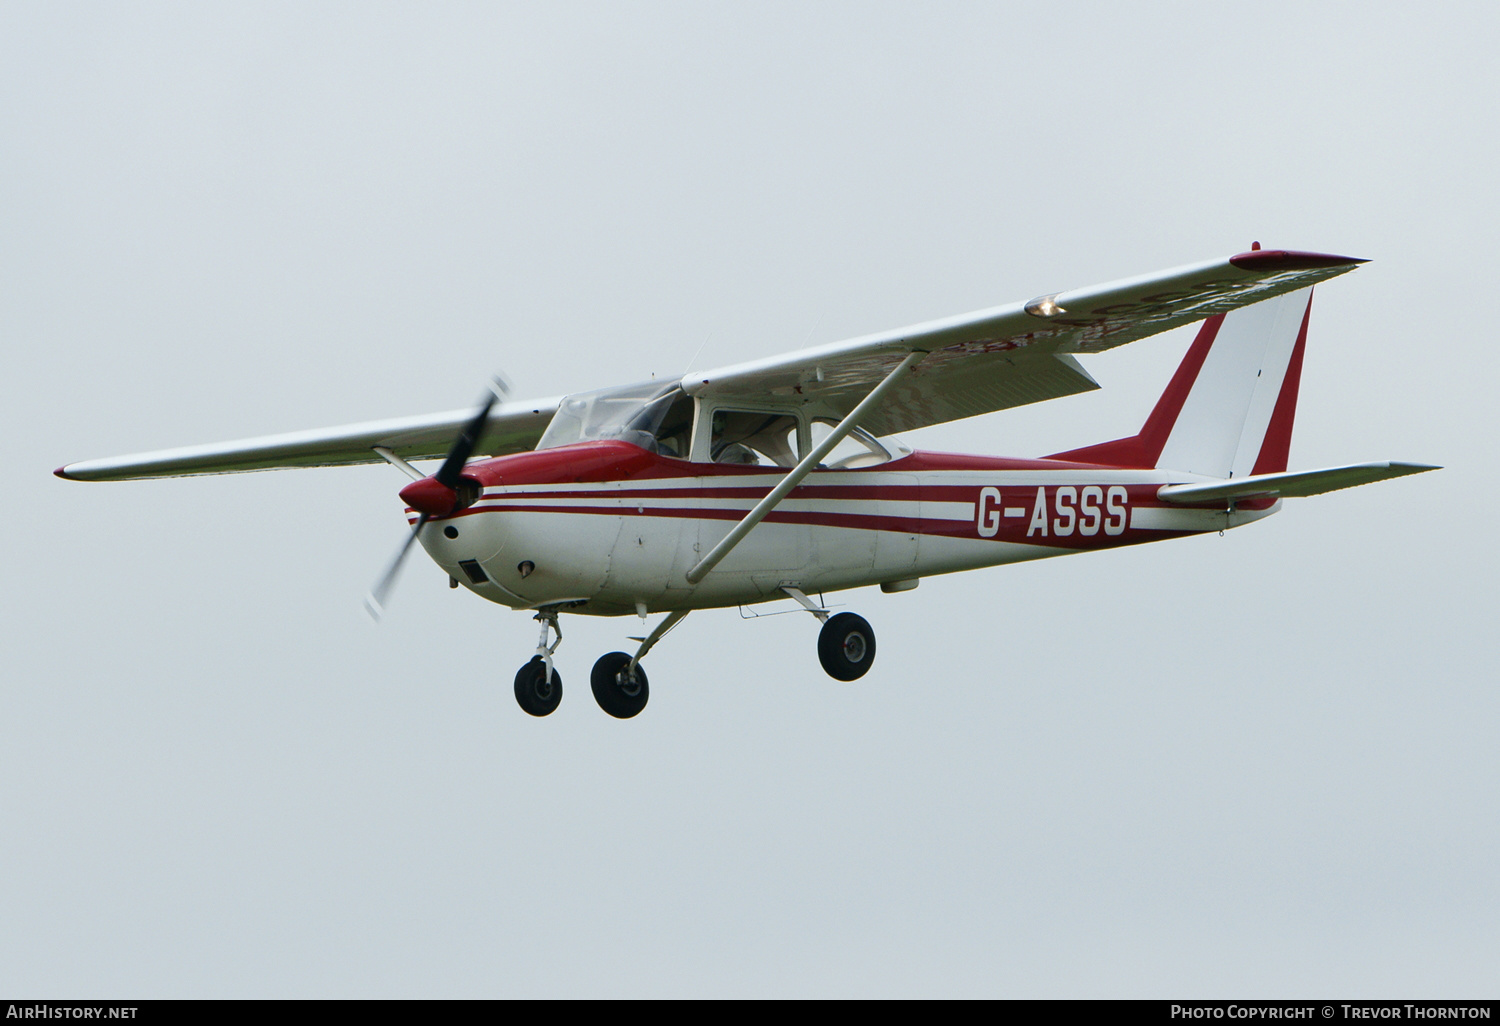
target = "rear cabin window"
x: 857, y: 449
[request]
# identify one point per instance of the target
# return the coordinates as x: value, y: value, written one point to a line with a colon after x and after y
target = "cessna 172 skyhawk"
x: 778, y: 478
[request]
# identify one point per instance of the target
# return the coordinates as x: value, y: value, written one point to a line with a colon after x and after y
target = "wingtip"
x: 1269, y: 260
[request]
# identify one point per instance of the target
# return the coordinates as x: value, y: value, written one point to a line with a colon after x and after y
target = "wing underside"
x: 1018, y: 354
x: 512, y: 427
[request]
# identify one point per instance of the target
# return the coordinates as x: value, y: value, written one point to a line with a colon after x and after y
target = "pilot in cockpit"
x: 753, y: 438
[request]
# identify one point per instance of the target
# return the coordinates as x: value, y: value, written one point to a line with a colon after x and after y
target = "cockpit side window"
x: 753, y: 438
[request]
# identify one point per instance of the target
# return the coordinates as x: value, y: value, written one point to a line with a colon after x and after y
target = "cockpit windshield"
x: 655, y: 416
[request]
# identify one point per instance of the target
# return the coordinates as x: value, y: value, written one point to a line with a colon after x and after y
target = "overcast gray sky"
x: 1263, y: 764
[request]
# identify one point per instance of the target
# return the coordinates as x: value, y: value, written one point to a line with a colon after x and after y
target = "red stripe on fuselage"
x: 909, y: 493
x: 1016, y: 530
x: 613, y: 462
x: 602, y: 462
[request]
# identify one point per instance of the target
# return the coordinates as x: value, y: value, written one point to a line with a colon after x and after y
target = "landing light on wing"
x: 1044, y: 306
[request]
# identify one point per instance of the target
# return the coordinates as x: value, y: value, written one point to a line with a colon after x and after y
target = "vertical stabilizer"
x: 1228, y: 409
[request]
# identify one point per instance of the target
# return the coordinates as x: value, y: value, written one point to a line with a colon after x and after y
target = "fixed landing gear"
x: 846, y: 648
x: 537, y: 692
x: 846, y: 644
x: 618, y: 682
x: 620, y: 688
x: 538, y: 685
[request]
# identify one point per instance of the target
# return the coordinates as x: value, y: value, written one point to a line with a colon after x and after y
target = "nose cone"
x: 430, y: 496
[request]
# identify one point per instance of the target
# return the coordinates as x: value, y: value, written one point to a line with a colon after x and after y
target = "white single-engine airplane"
x: 778, y: 478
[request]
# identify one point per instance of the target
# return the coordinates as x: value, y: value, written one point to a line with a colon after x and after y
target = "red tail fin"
x: 1144, y: 449
x: 1228, y: 409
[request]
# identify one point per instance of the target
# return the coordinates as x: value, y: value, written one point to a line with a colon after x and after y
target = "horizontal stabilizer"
x: 1299, y: 483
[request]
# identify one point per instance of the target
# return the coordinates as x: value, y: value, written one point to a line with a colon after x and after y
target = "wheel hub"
x: 854, y: 647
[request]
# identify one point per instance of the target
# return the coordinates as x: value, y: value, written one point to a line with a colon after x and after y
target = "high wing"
x: 977, y: 363
x: 511, y: 427
x: 1012, y: 355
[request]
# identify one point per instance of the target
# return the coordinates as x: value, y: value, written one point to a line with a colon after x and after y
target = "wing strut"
x: 802, y: 469
x: 400, y: 464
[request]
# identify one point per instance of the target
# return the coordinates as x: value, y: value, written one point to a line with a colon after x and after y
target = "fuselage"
x: 610, y: 529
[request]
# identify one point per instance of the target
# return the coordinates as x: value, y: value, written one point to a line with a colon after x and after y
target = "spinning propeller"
x: 439, y: 494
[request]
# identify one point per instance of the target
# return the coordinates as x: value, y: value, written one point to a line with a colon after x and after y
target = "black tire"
x: 534, y: 693
x: 846, y: 647
x: 622, y: 699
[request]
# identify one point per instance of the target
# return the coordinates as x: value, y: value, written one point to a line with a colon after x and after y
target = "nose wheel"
x: 537, y: 691
x: 538, y: 684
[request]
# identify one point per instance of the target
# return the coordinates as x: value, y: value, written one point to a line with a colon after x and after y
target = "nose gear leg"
x: 548, y: 618
x: 538, y: 684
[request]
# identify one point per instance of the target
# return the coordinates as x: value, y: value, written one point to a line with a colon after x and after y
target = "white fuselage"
x: 623, y: 544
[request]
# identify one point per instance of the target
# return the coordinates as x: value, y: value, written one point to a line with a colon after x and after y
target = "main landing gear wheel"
x: 534, y: 692
x: 617, y: 694
x: 846, y: 646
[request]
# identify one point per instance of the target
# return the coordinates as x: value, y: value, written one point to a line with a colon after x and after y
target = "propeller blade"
x: 448, y: 476
x: 463, y: 446
x: 375, y: 600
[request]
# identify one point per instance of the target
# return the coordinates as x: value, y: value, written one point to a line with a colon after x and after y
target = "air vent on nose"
x: 474, y: 570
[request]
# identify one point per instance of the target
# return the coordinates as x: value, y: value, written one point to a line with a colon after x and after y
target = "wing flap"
x: 1290, y: 485
x: 512, y: 427
x: 953, y: 391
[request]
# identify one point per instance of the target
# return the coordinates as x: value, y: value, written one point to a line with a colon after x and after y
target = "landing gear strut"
x: 618, y: 680
x: 846, y: 644
x: 538, y: 684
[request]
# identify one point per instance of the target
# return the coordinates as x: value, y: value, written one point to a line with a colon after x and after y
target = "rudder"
x: 1229, y: 408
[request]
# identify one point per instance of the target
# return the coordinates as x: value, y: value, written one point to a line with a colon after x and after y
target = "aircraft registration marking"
x: 1069, y: 508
